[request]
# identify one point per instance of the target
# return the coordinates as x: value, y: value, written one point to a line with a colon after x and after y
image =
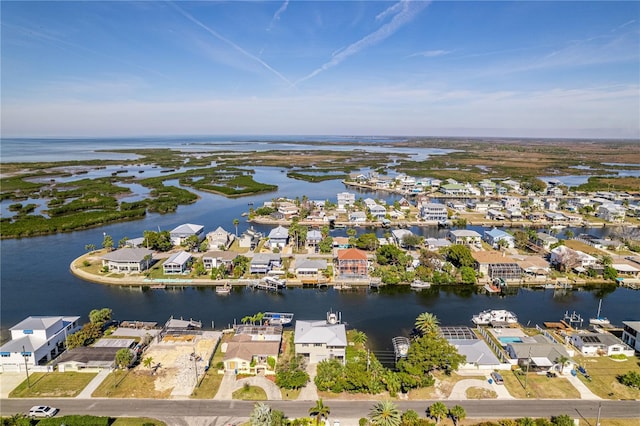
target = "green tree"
x: 562, y: 360
x: 100, y: 316
x: 240, y: 266
x: 606, y: 260
x: 368, y: 241
x: 526, y: 421
x: 427, y: 324
x: 468, y: 275
x: 609, y: 273
x: 392, y: 255
x: 90, y: 247
x: 460, y: 255
x: 204, y: 246
x: 359, y: 337
x: 427, y: 354
x: 236, y: 222
x: 123, y: 358
x: 122, y: 242
x: 326, y: 245
x: 411, y: 241
x: 159, y: 241
x: 191, y: 242
x: 385, y: 413
x: 569, y: 234
x: 631, y: 379
x: 457, y: 413
x: 291, y: 373
x: 261, y: 415
x: 410, y: 417
x: 297, y: 234
x: 562, y: 420
x: 320, y: 410
x: 438, y: 411
x: 198, y: 267
x: 107, y: 242
x: 147, y: 362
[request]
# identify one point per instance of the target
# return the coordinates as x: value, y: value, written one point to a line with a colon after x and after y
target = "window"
x: 27, y: 331
x: 317, y: 345
x: 305, y: 345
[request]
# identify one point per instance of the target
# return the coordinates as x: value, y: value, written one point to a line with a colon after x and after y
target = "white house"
x: 278, y: 237
x: 216, y: 258
x: 220, y: 238
x: 177, y: 263
x: 569, y: 258
x: 128, y: 259
x: 399, y: 235
x: 346, y: 199
x: 262, y: 263
x: 612, y: 212
x: 435, y: 212
x: 320, y: 340
x: 36, y: 340
x: 630, y: 334
x: 377, y: 211
x: 600, y: 344
x: 464, y: 236
x: 180, y: 233
x: 357, y: 217
x: 494, y: 237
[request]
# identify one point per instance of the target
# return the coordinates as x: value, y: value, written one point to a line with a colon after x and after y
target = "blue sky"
x: 450, y: 68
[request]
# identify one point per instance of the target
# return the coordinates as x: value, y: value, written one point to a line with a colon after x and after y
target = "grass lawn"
x: 211, y: 382
x: 135, y: 384
x: 136, y: 421
x: 603, y: 371
x: 539, y: 386
x: 250, y: 393
x: 290, y: 394
x: 52, y: 385
x: 481, y: 393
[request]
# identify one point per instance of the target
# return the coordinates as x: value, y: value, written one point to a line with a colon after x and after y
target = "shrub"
x: 631, y: 379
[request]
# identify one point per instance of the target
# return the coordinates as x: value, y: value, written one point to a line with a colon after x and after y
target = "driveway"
x: 230, y: 384
x: 459, y: 391
x: 310, y: 391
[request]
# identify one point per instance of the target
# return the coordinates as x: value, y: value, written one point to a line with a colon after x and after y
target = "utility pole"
x: 26, y: 367
x: 599, y: 408
x: 527, y: 372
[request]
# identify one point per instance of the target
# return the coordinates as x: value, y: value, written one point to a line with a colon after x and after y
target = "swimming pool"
x: 511, y: 339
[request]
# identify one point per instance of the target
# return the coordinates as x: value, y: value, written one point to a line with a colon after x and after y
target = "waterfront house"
x: 477, y: 206
x: 357, y: 217
x: 278, y: 237
x: 399, y: 235
x: 612, y: 212
x: 180, y: 233
x: 249, y: 350
x: 493, y: 214
x: 178, y: 263
x: 435, y: 244
x: 545, y: 240
x: 134, y: 242
x: 454, y: 189
x: 478, y: 355
x: 554, y: 191
x: 566, y: 258
x: 352, y: 263
x: 498, y: 238
x: 494, y: 264
x: 216, y: 258
x: 600, y: 344
x: 630, y: 334
x: 220, y: 239
x: 310, y: 270
x: 92, y: 359
x: 261, y: 263
x: 538, y: 351
x: 36, y: 340
x: 433, y: 212
x: 465, y: 236
x: 377, y: 211
x: 551, y: 204
x: 288, y: 209
x: 345, y: 199
x: 320, y: 340
x: 341, y: 242
x: 511, y: 203
x: 128, y: 259
x: 514, y: 214
x: 535, y: 267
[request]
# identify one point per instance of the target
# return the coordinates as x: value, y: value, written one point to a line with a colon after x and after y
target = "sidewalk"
x: 93, y: 384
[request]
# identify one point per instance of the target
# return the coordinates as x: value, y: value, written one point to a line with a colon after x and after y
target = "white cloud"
x: 276, y: 16
x: 431, y: 53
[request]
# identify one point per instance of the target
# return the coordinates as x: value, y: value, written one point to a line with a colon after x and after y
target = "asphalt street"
x: 339, y: 409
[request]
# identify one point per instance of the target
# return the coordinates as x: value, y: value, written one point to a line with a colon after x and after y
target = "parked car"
x: 42, y: 411
x: 497, y: 378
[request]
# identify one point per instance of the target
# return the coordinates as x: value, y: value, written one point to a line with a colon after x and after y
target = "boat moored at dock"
x: 493, y: 317
x: 278, y: 318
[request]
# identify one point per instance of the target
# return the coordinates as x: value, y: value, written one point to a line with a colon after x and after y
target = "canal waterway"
x: 35, y: 279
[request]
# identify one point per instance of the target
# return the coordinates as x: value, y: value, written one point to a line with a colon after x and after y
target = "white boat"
x: 275, y: 282
x: 223, y: 289
x: 491, y: 288
x: 494, y: 316
x: 419, y: 284
x: 549, y: 286
x: 278, y: 318
x: 598, y: 320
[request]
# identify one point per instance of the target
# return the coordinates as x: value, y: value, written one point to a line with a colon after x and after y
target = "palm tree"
x: 457, y: 413
x: 526, y: 421
x: 427, y: 324
x: 359, y: 337
x: 385, y: 413
x: 562, y: 360
x: 259, y: 317
x: 320, y: 411
x: 147, y: 361
x: 261, y: 415
x: 438, y: 411
x: 235, y: 223
x: 246, y: 319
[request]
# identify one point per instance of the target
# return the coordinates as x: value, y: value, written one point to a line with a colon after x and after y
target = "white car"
x: 42, y: 411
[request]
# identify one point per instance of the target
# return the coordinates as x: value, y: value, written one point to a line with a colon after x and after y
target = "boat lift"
x: 400, y: 347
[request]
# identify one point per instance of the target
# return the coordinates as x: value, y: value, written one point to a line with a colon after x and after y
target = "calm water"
x: 35, y: 277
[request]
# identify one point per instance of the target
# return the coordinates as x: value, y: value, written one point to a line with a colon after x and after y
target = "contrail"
x: 406, y: 11
x: 230, y: 43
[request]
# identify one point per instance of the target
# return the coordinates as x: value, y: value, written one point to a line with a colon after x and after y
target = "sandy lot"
x: 182, y: 361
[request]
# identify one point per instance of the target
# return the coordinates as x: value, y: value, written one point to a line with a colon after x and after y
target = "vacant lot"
x: 52, y: 385
x: 539, y: 386
x: 604, y: 372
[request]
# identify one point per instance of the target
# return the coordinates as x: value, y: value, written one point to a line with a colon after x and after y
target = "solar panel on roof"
x: 591, y: 339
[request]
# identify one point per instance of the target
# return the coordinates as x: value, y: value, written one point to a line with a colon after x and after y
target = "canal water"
x: 35, y: 279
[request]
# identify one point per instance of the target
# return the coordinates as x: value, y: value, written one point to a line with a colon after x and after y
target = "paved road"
x: 339, y: 409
